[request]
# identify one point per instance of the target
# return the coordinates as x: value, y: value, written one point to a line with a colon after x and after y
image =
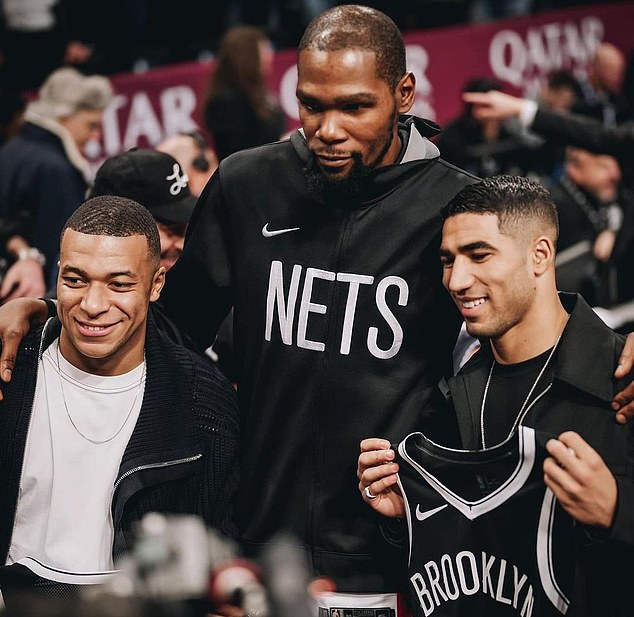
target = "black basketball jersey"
x: 486, y: 537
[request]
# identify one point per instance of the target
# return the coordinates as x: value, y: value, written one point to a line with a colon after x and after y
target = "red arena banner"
x: 520, y: 53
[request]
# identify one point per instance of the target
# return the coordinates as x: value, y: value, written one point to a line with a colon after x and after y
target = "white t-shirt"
x: 63, y: 520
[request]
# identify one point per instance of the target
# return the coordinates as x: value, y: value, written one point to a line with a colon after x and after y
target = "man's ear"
x: 157, y: 284
x: 543, y: 254
x: 405, y: 92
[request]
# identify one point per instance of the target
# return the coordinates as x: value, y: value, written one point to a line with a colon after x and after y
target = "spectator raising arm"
x: 567, y: 128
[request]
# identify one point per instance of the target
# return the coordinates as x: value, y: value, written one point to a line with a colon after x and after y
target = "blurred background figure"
x: 489, y: 10
x: 194, y: 155
x: 30, y: 27
x: 44, y: 175
x: 156, y: 181
x: 560, y: 93
x: 484, y: 147
x: 240, y: 112
x: 595, y: 218
x: 11, y: 114
x: 603, y: 96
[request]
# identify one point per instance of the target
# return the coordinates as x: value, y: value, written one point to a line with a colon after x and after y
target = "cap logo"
x: 180, y: 181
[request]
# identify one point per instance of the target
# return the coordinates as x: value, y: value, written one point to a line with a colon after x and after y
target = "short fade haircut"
x: 513, y: 199
x: 110, y: 215
x: 352, y: 26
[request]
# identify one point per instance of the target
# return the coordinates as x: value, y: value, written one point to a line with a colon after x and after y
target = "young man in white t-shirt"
x: 108, y: 419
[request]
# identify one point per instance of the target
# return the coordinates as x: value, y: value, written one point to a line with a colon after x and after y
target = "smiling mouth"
x: 94, y: 329
x: 470, y: 304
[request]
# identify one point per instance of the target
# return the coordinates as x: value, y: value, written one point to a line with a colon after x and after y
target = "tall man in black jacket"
x: 105, y: 418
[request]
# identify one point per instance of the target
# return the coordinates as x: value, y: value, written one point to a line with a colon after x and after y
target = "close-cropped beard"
x: 339, y: 190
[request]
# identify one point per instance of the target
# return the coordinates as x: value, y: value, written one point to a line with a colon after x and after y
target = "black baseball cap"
x: 154, y: 179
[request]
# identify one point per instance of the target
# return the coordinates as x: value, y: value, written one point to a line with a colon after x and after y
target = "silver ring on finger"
x: 368, y: 494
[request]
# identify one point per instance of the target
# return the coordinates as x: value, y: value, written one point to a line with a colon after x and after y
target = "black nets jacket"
x: 181, y: 457
x: 342, y: 330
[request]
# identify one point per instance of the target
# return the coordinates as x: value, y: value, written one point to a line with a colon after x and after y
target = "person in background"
x: 240, y: 111
x: 603, y: 97
x: 560, y: 92
x: 595, y: 217
x: 157, y: 181
x: 44, y: 175
x: 36, y: 38
x: 11, y: 114
x: 572, y: 129
x: 483, y: 147
x: 195, y: 157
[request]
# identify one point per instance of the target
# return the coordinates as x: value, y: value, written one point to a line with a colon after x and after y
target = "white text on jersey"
x: 286, y: 308
x: 463, y: 575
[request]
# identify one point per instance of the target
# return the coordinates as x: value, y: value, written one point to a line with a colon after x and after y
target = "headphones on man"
x: 200, y: 162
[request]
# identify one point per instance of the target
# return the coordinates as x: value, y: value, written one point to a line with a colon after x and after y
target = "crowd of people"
x: 219, y: 330
x: 41, y: 35
x: 590, y: 183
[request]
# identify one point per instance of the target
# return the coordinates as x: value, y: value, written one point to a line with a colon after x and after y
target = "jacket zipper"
x: 128, y: 473
x: 316, y: 481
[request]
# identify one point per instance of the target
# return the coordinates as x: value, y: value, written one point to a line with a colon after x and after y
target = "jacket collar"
x: 586, y: 359
x: 586, y: 356
x: 416, y: 131
x: 418, y: 145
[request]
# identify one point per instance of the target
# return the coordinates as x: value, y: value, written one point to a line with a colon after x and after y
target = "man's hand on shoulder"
x: 580, y: 480
x: 16, y: 318
x: 623, y: 402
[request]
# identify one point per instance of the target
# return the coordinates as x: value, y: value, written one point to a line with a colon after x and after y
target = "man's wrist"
x: 32, y: 253
x: 527, y: 113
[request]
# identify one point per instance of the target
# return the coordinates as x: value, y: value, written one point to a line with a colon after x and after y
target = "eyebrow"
x: 357, y: 97
x: 474, y: 246
x: 84, y: 274
x: 467, y: 248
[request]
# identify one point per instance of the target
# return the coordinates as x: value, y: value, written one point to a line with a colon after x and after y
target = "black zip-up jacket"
x: 342, y: 330
x: 575, y: 395
x: 181, y: 457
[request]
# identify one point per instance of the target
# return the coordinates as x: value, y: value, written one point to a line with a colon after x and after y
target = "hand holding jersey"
x: 574, y: 472
x: 377, y: 474
x: 580, y: 480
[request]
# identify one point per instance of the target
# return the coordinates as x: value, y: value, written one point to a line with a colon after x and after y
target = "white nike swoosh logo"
x: 277, y: 232
x: 421, y: 516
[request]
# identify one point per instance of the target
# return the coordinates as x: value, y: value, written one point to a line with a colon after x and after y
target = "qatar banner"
x: 519, y: 52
